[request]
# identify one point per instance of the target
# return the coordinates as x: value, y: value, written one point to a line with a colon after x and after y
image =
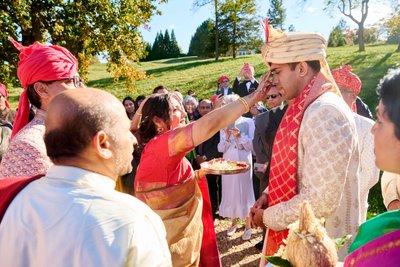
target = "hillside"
x: 201, y: 74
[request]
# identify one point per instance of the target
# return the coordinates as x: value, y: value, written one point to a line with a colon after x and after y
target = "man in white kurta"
x: 350, y: 85
x: 73, y: 216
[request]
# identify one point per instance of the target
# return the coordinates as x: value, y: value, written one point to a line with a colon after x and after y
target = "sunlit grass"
x: 201, y: 75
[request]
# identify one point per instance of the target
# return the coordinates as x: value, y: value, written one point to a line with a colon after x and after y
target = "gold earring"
x: 160, y: 130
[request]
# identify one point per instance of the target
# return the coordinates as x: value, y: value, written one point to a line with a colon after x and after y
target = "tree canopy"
x: 164, y: 46
x: 202, y: 42
x: 239, y: 25
x: 392, y: 26
x: 85, y: 27
x: 276, y: 14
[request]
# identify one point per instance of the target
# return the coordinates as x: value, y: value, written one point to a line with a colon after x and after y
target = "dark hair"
x: 155, y: 90
x: 80, y: 123
x: 315, y: 65
x: 389, y: 92
x: 139, y: 98
x: 156, y: 105
x: 134, y: 105
x: 33, y: 96
x: 128, y: 98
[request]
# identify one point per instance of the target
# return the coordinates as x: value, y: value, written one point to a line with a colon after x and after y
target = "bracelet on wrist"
x: 245, y: 104
x: 138, y: 113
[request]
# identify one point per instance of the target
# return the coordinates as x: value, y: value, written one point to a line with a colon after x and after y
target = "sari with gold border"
x: 377, y: 242
x: 165, y: 181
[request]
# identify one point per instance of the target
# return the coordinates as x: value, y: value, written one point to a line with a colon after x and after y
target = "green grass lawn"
x: 200, y: 75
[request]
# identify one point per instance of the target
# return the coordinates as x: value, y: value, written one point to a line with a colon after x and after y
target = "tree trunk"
x: 216, y: 30
x: 37, y: 30
x: 361, y: 45
x: 234, y: 40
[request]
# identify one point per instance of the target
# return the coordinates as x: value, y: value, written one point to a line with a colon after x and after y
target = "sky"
x: 180, y: 16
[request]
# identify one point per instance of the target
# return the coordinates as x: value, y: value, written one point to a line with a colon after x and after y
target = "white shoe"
x: 231, y: 230
x: 247, y: 234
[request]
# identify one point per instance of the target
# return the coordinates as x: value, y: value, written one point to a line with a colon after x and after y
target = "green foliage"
x: 175, y: 51
x: 392, y: 26
x: 347, y: 8
x: 370, y: 36
x: 375, y: 201
x: 278, y: 261
x: 336, y: 37
x: 164, y: 46
x: 85, y: 27
x: 339, y: 242
x: 238, y: 24
x: 202, y: 42
x: 276, y: 14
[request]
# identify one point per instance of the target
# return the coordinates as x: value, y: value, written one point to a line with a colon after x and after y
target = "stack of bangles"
x: 245, y: 104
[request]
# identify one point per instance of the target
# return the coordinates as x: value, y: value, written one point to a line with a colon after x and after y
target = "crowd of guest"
x: 301, y: 128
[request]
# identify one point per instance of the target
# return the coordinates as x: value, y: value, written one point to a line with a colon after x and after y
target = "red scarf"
x: 284, y: 162
x: 9, y: 188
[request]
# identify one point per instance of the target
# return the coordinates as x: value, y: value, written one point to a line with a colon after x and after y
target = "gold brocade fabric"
x: 183, y: 222
x: 118, y: 185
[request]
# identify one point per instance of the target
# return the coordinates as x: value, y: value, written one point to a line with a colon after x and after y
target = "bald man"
x: 73, y: 216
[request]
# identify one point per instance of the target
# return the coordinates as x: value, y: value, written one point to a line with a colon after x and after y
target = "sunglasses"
x: 225, y: 81
x: 272, y: 96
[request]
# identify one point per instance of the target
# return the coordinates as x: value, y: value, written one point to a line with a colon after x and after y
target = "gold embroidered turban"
x: 289, y: 47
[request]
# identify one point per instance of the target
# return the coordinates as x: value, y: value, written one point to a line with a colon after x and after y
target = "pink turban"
x: 4, y: 92
x: 40, y: 63
x: 344, y: 77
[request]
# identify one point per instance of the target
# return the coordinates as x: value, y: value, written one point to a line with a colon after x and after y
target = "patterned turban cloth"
x: 344, y: 77
x: 4, y: 92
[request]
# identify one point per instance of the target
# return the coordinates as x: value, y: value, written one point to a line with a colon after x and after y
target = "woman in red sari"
x: 166, y: 181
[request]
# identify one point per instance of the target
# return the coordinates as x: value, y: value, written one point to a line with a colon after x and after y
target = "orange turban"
x: 344, y: 77
x: 4, y: 92
x: 40, y: 63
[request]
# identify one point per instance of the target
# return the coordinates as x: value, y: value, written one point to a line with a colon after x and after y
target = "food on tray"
x: 222, y: 166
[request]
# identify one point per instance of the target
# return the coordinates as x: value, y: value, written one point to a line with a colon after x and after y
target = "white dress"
x: 237, y: 189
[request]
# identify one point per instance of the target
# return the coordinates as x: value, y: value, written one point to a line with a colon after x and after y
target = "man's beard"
x: 123, y: 166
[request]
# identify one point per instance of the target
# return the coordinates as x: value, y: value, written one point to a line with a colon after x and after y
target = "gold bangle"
x: 138, y: 113
x: 245, y: 104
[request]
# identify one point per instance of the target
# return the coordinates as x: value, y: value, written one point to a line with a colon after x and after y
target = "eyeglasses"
x: 78, y: 82
x: 272, y: 96
x: 225, y: 81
